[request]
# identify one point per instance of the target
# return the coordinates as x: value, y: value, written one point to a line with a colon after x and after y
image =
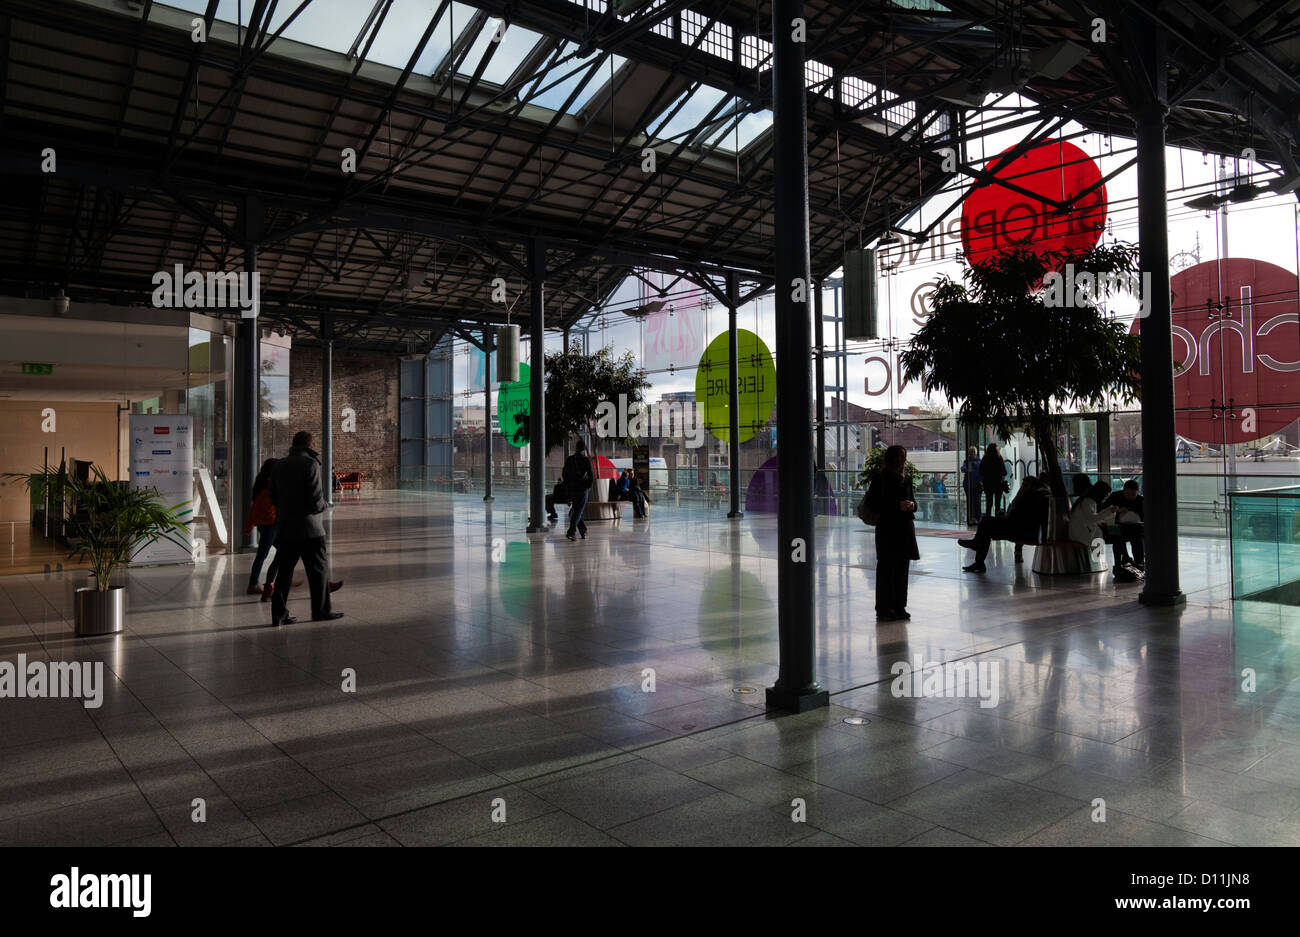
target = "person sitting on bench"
x: 1022, y: 522
x: 635, y: 494
x: 618, y: 487
x: 1086, y: 517
x: 1127, y: 526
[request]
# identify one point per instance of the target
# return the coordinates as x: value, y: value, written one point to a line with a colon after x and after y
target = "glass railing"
x: 1266, y: 545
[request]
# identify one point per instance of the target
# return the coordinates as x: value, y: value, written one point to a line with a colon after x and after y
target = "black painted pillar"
x: 733, y: 399
x: 566, y: 351
x: 488, y: 342
x: 1159, y: 443
x: 537, y: 402
x: 796, y: 686
x: 248, y: 356
x: 819, y: 378
x: 327, y: 406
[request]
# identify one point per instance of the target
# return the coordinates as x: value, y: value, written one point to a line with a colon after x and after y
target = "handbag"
x: 866, y: 513
x: 1006, y: 487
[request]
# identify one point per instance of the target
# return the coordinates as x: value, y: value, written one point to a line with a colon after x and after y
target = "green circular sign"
x: 756, y: 380
x: 513, y: 401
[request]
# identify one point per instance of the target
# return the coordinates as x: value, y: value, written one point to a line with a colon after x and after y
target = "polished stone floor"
x: 500, y: 677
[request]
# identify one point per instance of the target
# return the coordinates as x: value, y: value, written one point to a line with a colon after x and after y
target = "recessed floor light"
x: 856, y: 721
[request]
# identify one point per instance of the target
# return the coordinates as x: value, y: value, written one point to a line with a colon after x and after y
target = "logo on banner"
x: 161, y: 430
x: 162, y: 452
x: 139, y: 441
x: 1236, y: 350
x: 996, y: 219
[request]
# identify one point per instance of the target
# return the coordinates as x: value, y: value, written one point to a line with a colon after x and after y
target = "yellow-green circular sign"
x: 513, y: 401
x: 755, y: 378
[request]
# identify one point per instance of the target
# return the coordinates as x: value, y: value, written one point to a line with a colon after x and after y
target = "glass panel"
x: 553, y: 98
x: 703, y: 100
x: 274, y: 431
x: 326, y: 24
x: 405, y: 24
x: 515, y: 45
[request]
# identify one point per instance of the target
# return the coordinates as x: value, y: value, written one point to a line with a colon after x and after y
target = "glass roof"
x: 735, y: 134
x: 554, y: 91
x: 700, y: 101
x: 403, y: 27
x: 512, y: 48
x: 341, y: 25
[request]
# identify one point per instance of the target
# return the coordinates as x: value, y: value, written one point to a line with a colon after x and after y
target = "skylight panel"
x: 554, y: 98
x: 678, y: 127
x: 514, y: 46
x: 405, y: 24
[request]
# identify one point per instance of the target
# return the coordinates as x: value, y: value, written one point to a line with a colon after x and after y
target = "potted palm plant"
x: 106, y: 522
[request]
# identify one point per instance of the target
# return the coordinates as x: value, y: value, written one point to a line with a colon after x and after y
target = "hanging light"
x: 508, y: 354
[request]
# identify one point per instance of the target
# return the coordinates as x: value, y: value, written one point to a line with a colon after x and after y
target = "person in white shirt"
x: 1086, y: 517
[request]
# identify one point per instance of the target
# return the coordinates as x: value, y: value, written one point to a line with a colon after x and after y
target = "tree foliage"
x: 575, y: 386
x: 1003, y: 344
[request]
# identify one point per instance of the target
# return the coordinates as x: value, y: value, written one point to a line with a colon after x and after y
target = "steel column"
x: 327, y: 406
x: 537, y: 403
x: 248, y: 357
x: 1159, y: 443
x: 819, y: 379
x: 733, y: 400
x: 796, y: 685
x: 488, y: 342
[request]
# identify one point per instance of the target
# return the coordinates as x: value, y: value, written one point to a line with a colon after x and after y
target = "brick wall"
x: 367, y: 383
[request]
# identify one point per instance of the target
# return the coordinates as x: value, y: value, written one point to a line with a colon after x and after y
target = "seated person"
x: 1022, y: 522
x: 618, y: 487
x: 1086, y: 517
x: 1127, y: 526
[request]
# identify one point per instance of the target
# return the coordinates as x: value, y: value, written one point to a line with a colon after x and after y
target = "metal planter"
x: 99, y: 612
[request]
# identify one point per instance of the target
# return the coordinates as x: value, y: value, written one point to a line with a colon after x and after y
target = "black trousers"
x: 314, y: 563
x: 891, y: 581
x: 1117, y: 535
x: 990, y: 529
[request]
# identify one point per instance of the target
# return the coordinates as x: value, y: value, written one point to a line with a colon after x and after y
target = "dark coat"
x: 298, y: 491
x: 992, y: 473
x: 577, y: 474
x: 896, y: 531
x: 1027, y: 515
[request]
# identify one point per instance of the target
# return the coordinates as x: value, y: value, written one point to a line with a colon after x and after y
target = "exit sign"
x: 32, y: 367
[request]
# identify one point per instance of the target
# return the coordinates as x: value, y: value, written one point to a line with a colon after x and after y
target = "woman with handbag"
x: 261, y: 515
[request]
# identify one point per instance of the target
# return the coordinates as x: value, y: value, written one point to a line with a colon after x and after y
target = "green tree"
x: 1008, y: 344
x: 575, y: 386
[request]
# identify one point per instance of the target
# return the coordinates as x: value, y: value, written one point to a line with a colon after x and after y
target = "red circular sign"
x: 1236, y: 338
x: 996, y: 218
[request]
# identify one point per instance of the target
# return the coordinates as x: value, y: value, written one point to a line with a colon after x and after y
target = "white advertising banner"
x: 162, y: 457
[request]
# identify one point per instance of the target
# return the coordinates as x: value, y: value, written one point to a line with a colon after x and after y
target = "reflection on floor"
x: 24, y: 549
x: 498, y: 678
